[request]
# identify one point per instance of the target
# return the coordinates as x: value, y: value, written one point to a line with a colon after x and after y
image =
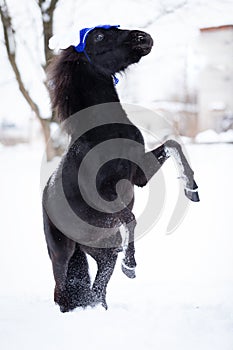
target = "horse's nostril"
x: 141, y: 37
x: 138, y: 37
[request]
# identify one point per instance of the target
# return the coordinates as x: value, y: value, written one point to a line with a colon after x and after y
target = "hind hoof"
x: 98, y: 299
x: 104, y: 304
x: 128, y: 271
x: 64, y: 309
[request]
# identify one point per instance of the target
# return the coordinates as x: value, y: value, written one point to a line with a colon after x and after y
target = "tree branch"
x: 53, y: 5
x: 40, y: 2
x: 164, y: 11
x: 9, y: 38
x: 47, y: 19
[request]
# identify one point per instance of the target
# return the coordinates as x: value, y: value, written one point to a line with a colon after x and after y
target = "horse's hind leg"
x: 78, y: 282
x: 106, y: 260
x: 60, y: 249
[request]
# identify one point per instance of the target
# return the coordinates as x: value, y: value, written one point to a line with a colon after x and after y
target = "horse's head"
x: 81, y: 76
x: 112, y: 49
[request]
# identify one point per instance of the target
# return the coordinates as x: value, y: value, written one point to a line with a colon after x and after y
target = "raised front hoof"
x: 192, y: 192
x: 128, y: 271
x: 192, y: 195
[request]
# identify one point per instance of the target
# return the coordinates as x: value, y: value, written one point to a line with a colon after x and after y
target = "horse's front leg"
x: 153, y: 161
x: 173, y: 148
x: 128, y: 264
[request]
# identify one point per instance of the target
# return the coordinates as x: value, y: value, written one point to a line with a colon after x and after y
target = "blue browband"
x: 83, y: 38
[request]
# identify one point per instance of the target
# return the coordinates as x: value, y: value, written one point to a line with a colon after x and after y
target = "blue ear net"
x: 84, y: 33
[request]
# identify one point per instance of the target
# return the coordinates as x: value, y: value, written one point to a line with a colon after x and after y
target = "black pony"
x: 79, y: 218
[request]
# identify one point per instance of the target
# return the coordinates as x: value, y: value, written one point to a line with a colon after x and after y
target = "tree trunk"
x: 50, y: 151
x: 9, y: 37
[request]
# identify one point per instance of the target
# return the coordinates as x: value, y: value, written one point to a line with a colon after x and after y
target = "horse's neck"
x: 93, y: 96
x: 91, y: 88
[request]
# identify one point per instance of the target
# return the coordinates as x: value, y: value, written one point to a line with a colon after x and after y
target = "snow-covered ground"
x: 182, y: 297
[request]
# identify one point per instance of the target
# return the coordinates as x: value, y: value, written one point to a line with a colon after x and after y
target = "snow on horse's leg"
x: 128, y: 264
x: 172, y: 148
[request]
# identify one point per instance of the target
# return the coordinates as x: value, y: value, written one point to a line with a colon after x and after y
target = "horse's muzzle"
x: 142, y: 42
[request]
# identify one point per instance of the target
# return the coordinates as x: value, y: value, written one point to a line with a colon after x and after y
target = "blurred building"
x: 15, y: 132
x: 215, y: 82
x: 208, y: 100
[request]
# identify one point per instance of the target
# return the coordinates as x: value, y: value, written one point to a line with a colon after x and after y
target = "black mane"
x: 75, y: 84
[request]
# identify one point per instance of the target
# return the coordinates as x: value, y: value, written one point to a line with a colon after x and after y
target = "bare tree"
x: 47, y: 9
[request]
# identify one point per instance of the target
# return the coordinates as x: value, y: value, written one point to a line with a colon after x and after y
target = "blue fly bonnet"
x: 84, y: 33
x: 83, y: 38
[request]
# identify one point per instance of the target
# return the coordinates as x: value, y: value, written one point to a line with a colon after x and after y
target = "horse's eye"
x: 99, y: 37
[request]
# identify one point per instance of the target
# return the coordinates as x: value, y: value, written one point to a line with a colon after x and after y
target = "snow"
x: 182, y: 297
x: 209, y: 136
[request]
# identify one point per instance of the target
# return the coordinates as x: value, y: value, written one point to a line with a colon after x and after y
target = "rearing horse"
x: 106, y: 149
